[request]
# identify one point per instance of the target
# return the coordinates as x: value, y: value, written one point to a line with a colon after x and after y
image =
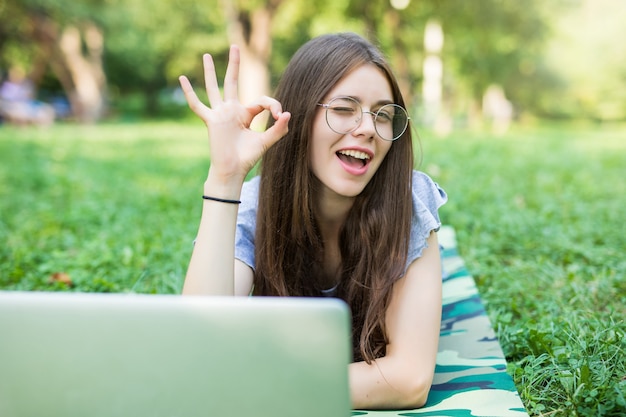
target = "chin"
x: 349, y: 189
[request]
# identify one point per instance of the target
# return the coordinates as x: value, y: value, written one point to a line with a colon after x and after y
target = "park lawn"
x: 539, y: 214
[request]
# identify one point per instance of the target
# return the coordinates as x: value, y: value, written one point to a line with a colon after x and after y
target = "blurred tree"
x: 147, y: 51
x: 400, y: 33
x: 14, y: 30
x: 143, y: 46
x: 58, y: 36
x: 588, y: 53
x: 249, y: 25
x: 487, y: 42
x: 494, y: 42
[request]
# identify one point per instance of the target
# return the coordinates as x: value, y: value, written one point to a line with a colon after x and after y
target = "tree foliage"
x: 61, y: 37
x: 147, y: 45
x: 587, y: 51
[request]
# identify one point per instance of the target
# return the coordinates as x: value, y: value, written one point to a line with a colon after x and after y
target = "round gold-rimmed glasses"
x: 344, y: 115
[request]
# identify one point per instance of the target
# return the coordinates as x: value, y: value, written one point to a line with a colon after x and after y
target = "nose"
x: 366, y: 126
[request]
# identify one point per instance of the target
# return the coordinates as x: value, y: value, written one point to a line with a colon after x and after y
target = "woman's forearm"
x: 211, y: 268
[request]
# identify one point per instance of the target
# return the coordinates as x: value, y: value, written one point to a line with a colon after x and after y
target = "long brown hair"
x: 375, y: 237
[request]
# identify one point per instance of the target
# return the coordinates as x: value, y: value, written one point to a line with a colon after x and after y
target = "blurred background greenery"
x: 121, y: 58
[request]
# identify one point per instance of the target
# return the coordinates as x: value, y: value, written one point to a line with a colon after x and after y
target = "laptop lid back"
x: 68, y: 354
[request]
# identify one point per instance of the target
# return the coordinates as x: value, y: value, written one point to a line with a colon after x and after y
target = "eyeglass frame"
x: 374, y: 114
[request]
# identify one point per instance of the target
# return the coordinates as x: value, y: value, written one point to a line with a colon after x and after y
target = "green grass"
x: 540, y: 215
x: 538, y: 212
x: 111, y: 206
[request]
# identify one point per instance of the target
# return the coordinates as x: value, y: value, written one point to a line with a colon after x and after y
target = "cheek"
x: 384, y: 148
x: 316, y: 141
x: 319, y: 124
x: 321, y: 135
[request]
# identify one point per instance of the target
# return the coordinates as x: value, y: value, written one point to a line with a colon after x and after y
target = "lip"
x: 356, y: 170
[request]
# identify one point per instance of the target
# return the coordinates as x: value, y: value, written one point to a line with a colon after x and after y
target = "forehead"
x: 367, y: 83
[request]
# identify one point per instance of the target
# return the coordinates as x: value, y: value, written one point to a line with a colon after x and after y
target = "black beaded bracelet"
x: 221, y: 200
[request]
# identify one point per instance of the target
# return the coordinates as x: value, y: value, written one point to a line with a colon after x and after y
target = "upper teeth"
x: 355, y: 154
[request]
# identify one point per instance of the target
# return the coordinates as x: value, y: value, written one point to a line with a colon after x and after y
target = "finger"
x: 265, y: 103
x: 278, y: 130
x: 231, y: 78
x: 275, y: 108
x: 210, y: 81
x: 190, y: 95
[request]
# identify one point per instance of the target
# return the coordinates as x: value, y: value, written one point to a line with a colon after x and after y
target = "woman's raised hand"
x: 235, y: 148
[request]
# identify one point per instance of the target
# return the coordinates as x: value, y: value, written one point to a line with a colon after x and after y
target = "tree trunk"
x: 75, y: 58
x: 251, y: 31
x: 400, y: 61
x: 85, y: 68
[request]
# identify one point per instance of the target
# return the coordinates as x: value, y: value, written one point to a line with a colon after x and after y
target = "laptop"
x: 79, y: 354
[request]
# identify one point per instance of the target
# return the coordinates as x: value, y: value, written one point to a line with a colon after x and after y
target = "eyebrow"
x: 358, y: 99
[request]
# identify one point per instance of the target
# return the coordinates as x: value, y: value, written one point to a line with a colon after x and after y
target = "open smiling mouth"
x: 353, y: 158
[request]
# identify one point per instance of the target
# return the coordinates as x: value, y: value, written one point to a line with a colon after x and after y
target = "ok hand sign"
x: 235, y: 148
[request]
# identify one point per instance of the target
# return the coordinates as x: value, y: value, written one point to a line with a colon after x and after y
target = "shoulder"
x: 246, y: 222
x: 246, y: 217
x: 250, y: 191
x: 427, y: 197
x: 427, y: 192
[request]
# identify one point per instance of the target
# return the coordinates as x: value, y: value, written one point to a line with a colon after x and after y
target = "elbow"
x: 398, y: 388
x: 415, y: 392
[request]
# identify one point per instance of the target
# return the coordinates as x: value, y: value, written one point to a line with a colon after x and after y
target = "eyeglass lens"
x: 344, y: 114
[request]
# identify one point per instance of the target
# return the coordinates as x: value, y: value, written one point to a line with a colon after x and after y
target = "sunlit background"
x: 461, y: 63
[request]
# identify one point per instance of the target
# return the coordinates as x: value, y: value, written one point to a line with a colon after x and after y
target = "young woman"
x: 337, y: 209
